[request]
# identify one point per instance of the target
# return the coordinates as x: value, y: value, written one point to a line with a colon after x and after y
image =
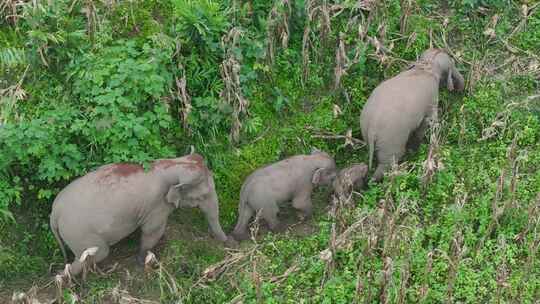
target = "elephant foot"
x: 305, y: 215
x: 278, y: 228
x: 140, y: 258
x: 231, y: 242
x: 240, y: 236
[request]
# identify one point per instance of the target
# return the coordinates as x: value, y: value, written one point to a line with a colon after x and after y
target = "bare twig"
x: 355, y: 143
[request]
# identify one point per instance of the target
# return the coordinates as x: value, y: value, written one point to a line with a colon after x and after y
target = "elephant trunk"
x: 459, y: 81
x: 211, y: 210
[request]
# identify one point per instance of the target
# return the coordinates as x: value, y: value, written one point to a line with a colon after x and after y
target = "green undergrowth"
x: 89, y: 83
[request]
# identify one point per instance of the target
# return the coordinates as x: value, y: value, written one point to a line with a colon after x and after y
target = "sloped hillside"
x: 249, y: 82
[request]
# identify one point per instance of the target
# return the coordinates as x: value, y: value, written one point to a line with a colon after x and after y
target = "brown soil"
x: 121, y: 265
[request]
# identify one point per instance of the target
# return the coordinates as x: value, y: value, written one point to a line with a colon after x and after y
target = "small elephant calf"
x: 349, y: 179
x: 292, y: 179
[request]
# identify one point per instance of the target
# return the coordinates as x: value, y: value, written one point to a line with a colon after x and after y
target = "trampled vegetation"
x: 249, y: 82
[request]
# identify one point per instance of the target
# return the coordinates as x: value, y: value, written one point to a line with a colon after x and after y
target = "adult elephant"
x: 400, y: 109
x: 104, y: 206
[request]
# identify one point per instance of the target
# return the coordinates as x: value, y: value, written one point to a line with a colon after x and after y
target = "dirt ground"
x: 120, y: 266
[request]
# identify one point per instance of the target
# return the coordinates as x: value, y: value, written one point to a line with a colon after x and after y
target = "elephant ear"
x: 173, y: 195
x: 450, y: 80
x: 323, y: 175
x: 187, y: 189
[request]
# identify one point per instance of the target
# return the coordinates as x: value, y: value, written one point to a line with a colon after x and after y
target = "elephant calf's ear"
x: 450, y: 81
x: 173, y: 195
x: 323, y: 175
x: 317, y: 176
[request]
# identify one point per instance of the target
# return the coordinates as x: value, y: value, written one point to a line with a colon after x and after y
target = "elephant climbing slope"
x: 400, y: 109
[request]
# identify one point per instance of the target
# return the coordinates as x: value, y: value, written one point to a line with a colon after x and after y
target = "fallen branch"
x: 355, y: 143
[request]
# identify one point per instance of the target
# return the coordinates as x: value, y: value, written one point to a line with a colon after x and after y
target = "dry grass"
x: 502, y: 119
x: 185, y: 100
x: 433, y: 162
x: 457, y: 250
x: 277, y: 29
x: 230, y: 74
x: 498, y: 210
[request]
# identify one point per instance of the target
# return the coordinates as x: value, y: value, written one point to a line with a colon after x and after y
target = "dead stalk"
x: 462, y: 125
x: 278, y: 27
x: 331, y: 251
x: 386, y: 280
x: 10, y: 96
x: 500, y: 123
x: 404, y: 278
x: 424, y: 290
x: 457, y: 251
x: 498, y: 211
x: 165, y: 278
x: 122, y: 296
x: 256, y: 278
x: 230, y: 74
x: 433, y: 162
x: 406, y: 12
x: 502, y: 281
x: 92, y: 22
x: 342, y: 61
x: 349, y: 140
x: 318, y: 24
x: 533, y: 218
x: 533, y: 246
x: 184, y: 98
x: 371, y: 244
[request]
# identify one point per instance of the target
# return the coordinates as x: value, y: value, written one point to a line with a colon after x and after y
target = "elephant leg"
x: 150, y: 236
x: 269, y: 214
x: 304, y: 205
x: 101, y: 254
x: 417, y: 136
x: 388, y: 156
x: 240, y: 231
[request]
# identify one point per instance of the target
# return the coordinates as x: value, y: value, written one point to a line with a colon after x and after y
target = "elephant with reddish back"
x: 106, y: 205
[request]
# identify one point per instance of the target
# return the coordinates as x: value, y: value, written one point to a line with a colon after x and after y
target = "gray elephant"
x: 349, y: 179
x: 104, y: 206
x: 291, y: 179
x: 400, y: 109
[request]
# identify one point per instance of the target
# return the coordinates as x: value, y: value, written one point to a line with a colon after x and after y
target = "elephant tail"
x: 371, y: 146
x: 245, y: 212
x: 54, y: 228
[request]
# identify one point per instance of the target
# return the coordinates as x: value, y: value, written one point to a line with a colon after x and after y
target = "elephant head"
x: 444, y: 67
x: 325, y: 168
x: 194, y: 187
x: 350, y: 178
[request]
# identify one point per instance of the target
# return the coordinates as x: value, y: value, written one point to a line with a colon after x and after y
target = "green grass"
x: 438, y: 228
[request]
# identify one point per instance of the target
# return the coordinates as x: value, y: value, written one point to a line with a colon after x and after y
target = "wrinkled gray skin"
x: 106, y: 205
x: 349, y: 179
x: 292, y: 179
x: 400, y: 109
